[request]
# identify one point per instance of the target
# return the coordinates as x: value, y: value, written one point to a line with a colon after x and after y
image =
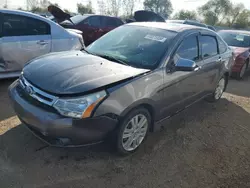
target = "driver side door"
x: 183, y: 87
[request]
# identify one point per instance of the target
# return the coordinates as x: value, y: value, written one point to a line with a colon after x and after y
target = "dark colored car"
x: 188, y: 22
x: 92, y: 26
x: 239, y: 41
x: 123, y: 86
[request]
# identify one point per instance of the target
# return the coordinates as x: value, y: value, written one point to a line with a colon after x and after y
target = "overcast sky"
x: 71, y: 4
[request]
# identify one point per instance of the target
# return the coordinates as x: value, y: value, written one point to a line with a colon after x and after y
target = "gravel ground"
x: 205, y: 146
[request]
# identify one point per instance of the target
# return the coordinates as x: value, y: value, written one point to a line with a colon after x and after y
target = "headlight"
x: 79, y: 107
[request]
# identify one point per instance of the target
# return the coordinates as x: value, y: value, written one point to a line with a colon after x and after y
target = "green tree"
x: 242, y: 20
x: 85, y: 9
x: 162, y: 7
x: 215, y: 11
x: 185, y: 14
x: 234, y: 13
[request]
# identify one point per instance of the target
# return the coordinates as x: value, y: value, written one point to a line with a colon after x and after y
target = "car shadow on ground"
x: 6, y: 110
x: 213, y: 136
x: 19, y: 145
x: 240, y: 87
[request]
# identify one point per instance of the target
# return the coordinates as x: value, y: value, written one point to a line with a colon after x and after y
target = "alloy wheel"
x: 219, y: 89
x: 134, y: 132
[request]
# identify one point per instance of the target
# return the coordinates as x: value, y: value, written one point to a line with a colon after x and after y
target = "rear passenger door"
x: 212, y: 61
x: 23, y: 38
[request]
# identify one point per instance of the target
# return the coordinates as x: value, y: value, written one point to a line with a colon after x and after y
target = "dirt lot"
x: 205, y: 146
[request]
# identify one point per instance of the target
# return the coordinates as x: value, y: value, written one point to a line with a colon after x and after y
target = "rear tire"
x: 240, y: 75
x: 218, y: 92
x: 133, y: 130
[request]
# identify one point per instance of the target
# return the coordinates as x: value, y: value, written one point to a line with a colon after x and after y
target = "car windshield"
x: 235, y: 39
x: 136, y: 46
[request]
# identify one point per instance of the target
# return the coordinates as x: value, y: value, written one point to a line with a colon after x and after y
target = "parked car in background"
x: 239, y: 41
x: 122, y: 86
x: 92, y: 26
x: 188, y: 22
x: 24, y: 36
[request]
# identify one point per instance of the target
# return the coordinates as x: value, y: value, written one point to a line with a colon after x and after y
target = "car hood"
x: 147, y: 16
x: 238, y: 50
x: 76, y: 72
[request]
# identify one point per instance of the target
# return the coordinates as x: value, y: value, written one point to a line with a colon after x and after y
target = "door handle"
x: 42, y: 42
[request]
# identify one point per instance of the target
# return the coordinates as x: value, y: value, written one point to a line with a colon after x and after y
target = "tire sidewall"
x: 123, y: 124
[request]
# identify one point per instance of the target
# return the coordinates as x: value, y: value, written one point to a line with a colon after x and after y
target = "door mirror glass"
x: 185, y: 65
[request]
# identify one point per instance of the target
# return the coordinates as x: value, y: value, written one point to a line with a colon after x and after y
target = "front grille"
x: 35, y: 96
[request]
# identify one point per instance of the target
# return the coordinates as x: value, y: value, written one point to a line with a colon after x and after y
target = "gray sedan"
x: 25, y: 36
x: 122, y: 86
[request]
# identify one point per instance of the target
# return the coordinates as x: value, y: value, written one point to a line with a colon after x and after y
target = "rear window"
x: 236, y: 39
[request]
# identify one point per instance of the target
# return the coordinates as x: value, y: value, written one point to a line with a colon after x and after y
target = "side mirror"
x: 186, y: 65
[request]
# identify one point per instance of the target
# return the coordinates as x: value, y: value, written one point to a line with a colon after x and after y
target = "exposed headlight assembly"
x: 81, y: 107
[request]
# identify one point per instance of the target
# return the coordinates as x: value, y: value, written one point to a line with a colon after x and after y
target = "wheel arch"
x: 149, y: 106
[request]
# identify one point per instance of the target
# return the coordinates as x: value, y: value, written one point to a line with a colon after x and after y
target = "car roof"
x: 24, y: 13
x: 168, y: 26
x: 237, y: 31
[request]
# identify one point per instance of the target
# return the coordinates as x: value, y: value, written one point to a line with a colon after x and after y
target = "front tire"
x: 242, y: 72
x: 133, y: 130
x: 220, y: 88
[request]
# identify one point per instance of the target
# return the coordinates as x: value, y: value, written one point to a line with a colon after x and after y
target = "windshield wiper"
x: 112, y: 58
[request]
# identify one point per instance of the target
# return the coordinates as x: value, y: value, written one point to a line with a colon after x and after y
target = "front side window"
x: 137, y: 46
x: 189, y: 49
x: 16, y: 25
x: 235, y: 39
x: 208, y: 46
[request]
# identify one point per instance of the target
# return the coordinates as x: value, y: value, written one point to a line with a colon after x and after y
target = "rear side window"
x: 94, y: 21
x: 208, y: 46
x: 16, y: 25
x: 222, y: 46
x: 189, y: 49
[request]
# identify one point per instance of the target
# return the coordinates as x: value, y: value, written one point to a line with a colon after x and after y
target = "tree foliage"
x: 129, y: 6
x: 242, y: 20
x: 85, y: 9
x: 162, y: 7
x: 185, y: 14
x: 215, y: 11
x: 235, y: 11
